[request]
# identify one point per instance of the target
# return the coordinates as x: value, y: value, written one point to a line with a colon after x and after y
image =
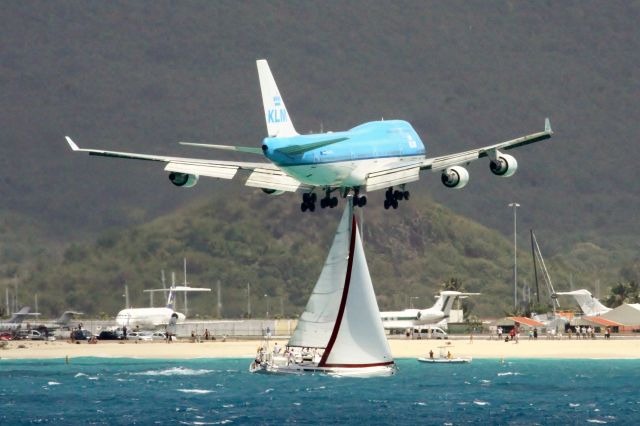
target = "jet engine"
x: 183, y: 179
x: 504, y: 165
x: 270, y: 191
x: 455, y: 177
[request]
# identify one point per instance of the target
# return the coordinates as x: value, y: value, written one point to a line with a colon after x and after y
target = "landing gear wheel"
x: 406, y: 195
x: 394, y: 204
x: 305, y: 198
x: 334, y: 202
x: 323, y: 203
x: 313, y: 198
x: 386, y: 205
x: 303, y: 207
x: 388, y: 194
x: 362, y: 201
x: 312, y: 207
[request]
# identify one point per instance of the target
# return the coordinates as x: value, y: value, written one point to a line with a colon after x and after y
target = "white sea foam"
x: 79, y: 375
x: 509, y: 373
x: 598, y: 421
x: 53, y: 383
x: 481, y: 403
x: 198, y: 391
x: 571, y: 404
x: 175, y: 371
x: 269, y: 390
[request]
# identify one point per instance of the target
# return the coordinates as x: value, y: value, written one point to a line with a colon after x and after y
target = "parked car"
x: 30, y: 335
x: 139, y: 335
x: 81, y: 335
x: 160, y: 335
x: 110, y: 335
x: 6, y: 336
x: 436, y: 332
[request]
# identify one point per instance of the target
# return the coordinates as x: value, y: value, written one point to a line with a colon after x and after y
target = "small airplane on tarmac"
x: 154, y: 317
x: 15, y: 321
x: 409, y: 318
x: 385, y: 154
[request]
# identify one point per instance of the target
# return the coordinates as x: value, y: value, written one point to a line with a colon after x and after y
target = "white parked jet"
x: 371, y: 156
x: 589, y: 304
x: 154, y: 317
x: 410, y: 318
x: 16, y: 319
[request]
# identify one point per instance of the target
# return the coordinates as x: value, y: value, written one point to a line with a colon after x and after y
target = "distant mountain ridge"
x: 141, y: 77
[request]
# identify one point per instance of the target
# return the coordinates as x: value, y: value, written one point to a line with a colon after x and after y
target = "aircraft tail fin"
x: 275, y: 112
x: 171, y: 297
x: 589, y: 304
x: 17, y: 317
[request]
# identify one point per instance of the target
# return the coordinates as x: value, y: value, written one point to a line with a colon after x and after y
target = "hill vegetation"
x: 280, y: 253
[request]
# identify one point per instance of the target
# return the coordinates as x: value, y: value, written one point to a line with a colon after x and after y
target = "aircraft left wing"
x: 278, y: 180
x: 441, y: 163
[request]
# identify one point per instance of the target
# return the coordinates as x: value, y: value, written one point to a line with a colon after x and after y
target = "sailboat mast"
x: 535, y: 268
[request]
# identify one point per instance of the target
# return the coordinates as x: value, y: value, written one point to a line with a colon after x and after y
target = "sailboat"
x: 340, y: 331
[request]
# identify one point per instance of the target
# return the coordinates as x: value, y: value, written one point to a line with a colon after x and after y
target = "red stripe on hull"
x: 345, y: 292
x: 377, y: 364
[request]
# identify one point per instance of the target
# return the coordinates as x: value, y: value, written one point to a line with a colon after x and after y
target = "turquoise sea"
x: 222, y: 391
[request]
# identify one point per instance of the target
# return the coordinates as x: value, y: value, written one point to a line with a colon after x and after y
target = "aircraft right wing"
x: 262, y: 173
x: 441, y: 163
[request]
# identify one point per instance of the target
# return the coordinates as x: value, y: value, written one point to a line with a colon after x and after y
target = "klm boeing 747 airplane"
x: 375, y: 155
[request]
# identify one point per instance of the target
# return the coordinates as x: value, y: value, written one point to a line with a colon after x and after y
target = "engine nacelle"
x: 505, y: 165
x: 270, y: 191
x: 183, y: 179
x: 455, y: 177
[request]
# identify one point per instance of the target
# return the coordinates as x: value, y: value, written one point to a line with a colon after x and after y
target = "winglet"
x: 547, y: 126
x: 72, y: 144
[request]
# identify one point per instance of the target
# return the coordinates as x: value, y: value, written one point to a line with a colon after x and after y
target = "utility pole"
x: 126, y: 297
x: 219, y: 301
x: 186, y: 304
x: 248, y: 300
x: 515, y: 254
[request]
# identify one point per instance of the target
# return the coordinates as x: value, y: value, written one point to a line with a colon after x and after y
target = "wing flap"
x: 390, y: 177
x: 210, y: 170
x: 273, y: 179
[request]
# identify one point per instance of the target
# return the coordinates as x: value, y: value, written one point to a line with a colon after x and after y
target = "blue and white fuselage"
x: 348, y: 160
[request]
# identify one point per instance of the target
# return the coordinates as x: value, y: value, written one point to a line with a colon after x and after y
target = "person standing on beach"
x: 124, y: 332
x: 499, y: 333
x: 535, y: 333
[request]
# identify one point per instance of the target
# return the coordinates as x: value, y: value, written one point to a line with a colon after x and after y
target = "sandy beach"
x: 479, y: 348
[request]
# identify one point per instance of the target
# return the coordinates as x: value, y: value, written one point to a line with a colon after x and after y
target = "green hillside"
x: 280, y: 253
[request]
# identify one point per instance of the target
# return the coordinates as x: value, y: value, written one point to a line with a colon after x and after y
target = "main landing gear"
x: 309, y: 200
x: 392, y: 197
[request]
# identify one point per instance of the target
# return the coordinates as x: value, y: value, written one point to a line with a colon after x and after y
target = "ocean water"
x: 222, y: 391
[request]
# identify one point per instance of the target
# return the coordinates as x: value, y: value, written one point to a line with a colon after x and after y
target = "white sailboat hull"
x: 356, y: 371
x: 459, y: 360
